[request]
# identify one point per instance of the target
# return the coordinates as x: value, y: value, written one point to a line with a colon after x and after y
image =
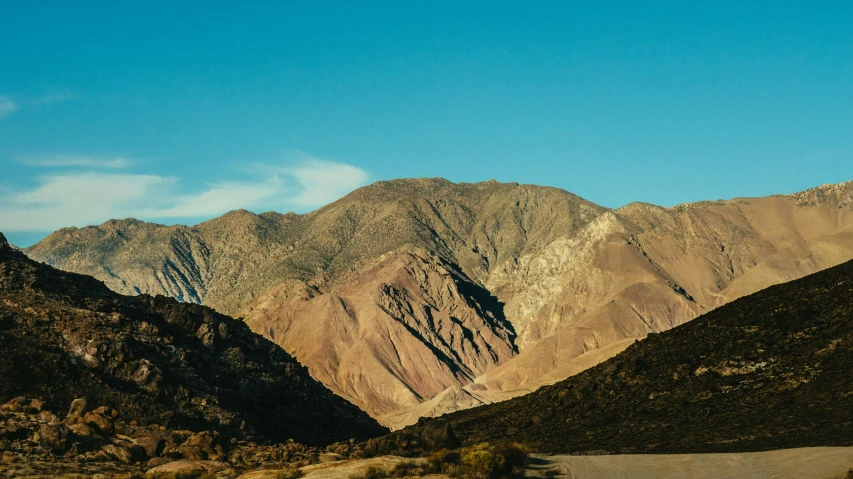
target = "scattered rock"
x: 99, y: 422
x: 54, y: 437
x: 77, y: 409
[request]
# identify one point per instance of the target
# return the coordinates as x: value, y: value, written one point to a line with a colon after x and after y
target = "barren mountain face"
x: 419, y: 297
x: 767, y: 371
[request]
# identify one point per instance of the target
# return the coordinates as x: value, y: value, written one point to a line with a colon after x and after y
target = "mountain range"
x: 419, y: 297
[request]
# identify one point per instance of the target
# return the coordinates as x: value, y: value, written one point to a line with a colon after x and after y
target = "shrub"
x: 372, y: 472
x: 439, y: 461
x: 289, y: 474
x: 407, y: 469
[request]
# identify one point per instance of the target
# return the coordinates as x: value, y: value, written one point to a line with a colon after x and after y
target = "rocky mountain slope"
x: 65, y: 336
x: 768, y: 371
x: 434, y: 296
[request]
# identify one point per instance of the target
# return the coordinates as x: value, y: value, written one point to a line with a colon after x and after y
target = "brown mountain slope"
x: 65, y: 336
x: 393, y: 272
x: 411, y: 280
x: 648, y: 269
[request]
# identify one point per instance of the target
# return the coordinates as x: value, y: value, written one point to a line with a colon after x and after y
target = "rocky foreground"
x: 96, y: 381
x: 35, y: 441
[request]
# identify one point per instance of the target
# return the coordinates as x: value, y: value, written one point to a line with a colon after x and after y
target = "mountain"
x: 419, y: 297
x: 65, y: 336
x: 768, y: 371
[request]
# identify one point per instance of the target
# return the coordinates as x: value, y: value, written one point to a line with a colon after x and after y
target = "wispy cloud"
x: 80, y: 198
x: 51, y: 98
x: 77, y: 161
x: 7, y: 105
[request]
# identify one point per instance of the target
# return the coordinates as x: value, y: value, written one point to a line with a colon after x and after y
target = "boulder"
x: 99, y: 422
x: 54, y: 437
x: 80, y: 429
x: 49, y: 417
x: 37, y: 404
x: 153, y: 445
x: 77, y: 409
x: 192, y: 453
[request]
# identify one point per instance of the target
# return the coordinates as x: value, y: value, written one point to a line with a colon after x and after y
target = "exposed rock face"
x: 417, y: 297
x: 768, y: 371
x: 402, y: 330
x: 66, y: 339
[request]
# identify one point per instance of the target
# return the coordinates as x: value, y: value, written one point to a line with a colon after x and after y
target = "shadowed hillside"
x: 65, y: 336
x: 770, y: 370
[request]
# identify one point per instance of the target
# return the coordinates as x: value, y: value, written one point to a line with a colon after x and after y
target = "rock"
x: 153, y: 445
x: 49, y: 417
x: 124, y: 451
x: 99, y: 422
x: 106, y: 412
x: 54, y: 437
x: 186, y: 468
x: 15, y: 405
x: 80, y: 429
x: 136, y: 451
x: 77, y: 409
x: 37, y: 404
x: 192, y: 453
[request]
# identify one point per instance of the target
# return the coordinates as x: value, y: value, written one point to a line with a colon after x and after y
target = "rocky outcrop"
x: 36, y: 442
x: 67, y: 339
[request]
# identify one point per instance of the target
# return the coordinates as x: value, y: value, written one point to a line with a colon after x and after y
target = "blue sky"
x: 180, y: 113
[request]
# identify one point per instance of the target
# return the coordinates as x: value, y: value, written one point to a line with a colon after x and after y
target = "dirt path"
x: 812, y: 463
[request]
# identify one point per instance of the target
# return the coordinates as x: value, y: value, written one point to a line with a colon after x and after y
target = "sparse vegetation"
x: 289, y: 474
x: 483, y: 461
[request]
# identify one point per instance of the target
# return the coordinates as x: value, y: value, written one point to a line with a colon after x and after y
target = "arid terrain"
x: 414, y: 298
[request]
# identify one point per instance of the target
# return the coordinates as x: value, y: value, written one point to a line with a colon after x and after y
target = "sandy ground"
x: 803, y: 463
x: 811, y: 463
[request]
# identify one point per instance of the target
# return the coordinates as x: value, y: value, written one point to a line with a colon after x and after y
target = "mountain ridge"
x: 575, y: 281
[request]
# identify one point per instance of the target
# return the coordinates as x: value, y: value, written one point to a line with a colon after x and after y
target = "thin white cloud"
x: 77, y: 161
x: 78, y: 198
x: 51, y: 98
x: 7, y: 105
x: 322, y: 181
